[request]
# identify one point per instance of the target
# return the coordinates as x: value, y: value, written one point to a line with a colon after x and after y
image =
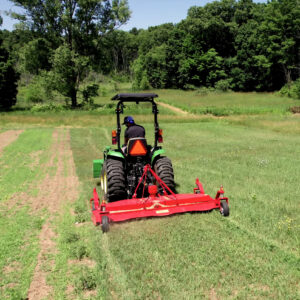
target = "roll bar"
x: 137, y: 98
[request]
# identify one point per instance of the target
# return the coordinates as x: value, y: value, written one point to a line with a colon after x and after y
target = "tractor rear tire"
x: 164, y: 169
x: 113, y: 180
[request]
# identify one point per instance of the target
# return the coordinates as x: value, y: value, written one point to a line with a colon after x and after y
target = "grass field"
x: 46, y: 231
x: 228, y: 103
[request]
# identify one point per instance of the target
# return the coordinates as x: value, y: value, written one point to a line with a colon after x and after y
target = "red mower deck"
x: 155, y: 205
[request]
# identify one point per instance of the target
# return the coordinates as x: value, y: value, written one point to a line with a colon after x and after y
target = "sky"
x: 144, y: 13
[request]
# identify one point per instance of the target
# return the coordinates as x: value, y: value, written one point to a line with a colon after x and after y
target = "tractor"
x: 121, y: 168
x: 137, y: 180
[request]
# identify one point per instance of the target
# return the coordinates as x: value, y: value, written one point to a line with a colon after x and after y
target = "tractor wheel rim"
x: 105, y: 183
x: 102, y: 183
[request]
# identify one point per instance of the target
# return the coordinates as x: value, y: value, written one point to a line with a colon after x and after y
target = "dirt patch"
x: 295, y: 109
x: 57, y: 188
x: 35, y: 159
x: 38, y: 287
x: 90, y: 294
x: 12, y: 267
x: 62, y: 186
x: 175, y: 109
x: 8, y: 137
x: 213, y: 294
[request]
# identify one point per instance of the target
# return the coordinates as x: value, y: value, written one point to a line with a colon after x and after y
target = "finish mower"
x: 137, y: 180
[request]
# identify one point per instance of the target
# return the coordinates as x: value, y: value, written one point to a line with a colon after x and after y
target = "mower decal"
x: 163, y: 211
x: 157, y: 204
x: 122, y: 211
x: 156, y: 153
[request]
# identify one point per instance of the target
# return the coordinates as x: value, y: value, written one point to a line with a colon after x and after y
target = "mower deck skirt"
x: 151, y: 207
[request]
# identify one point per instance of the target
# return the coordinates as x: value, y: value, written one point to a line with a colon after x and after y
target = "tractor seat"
x: 137, y: 147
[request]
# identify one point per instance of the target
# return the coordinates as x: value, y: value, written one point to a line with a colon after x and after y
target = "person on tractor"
x: 133, y: 130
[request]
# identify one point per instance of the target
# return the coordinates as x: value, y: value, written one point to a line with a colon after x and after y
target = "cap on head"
x: 129, y: 120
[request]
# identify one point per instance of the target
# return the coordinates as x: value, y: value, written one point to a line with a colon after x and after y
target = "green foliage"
x: 35, y: 56
x: 79, y: 24
x: 223, y: 85
x: 40, y: 89
x: 68, y: 70
x: 291, y: 90
x: 48, y: 107
x: 8, y: 80
x: 229, y: 44
x: 86, y: 279
x: 141, y: 81
x: 89, y: 92
x: 224, y: 41
x: 144, y: 85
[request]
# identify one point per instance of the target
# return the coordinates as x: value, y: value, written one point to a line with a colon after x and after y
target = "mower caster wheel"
x: 224, y: 209
x: 105, y: 224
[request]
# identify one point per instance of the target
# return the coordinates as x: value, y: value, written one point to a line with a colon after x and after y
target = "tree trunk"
x: 74, y: 98
x: 287, y: 74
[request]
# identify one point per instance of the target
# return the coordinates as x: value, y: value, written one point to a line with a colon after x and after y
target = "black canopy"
x: 134, y: 96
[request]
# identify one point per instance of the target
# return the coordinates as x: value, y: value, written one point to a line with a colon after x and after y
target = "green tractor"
x: 122, y: 168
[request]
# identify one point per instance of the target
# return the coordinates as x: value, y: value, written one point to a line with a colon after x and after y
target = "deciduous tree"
x: 78, y: 23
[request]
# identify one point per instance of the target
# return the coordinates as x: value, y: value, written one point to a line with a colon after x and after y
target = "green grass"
x: 16, y: 162
x: 254, y: 253
x: 18, y: 226
x: 224, y: 104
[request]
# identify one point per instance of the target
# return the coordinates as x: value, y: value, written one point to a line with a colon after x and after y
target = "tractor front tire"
x: 105, y: 224
x: 164, y: 169
x: 224, y: 209
x: 113, y: 180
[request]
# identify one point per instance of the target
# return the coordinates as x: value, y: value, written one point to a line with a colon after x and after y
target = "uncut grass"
x: 79, y: 118
x: 18, y: 226
x: 253, y: 253
x: 227, y: 103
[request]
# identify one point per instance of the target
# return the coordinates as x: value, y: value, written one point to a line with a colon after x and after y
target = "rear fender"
x: 115, y: 154
x: 98, y: 163
x: 156, y: 154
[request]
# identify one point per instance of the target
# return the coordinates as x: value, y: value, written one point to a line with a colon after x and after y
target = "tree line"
x: 228, y: 44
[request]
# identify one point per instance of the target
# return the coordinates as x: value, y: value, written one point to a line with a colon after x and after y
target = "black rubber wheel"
x: 105, y: 224
x: 93, y: 205
x: 113, y: 180
x: 224, y: 209
x: 164, y: 169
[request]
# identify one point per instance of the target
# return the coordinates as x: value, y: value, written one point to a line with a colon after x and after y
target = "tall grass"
x: 224, y: 104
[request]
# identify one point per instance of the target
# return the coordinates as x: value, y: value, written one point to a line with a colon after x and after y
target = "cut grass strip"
x: 20, y: 161
x: 18, y: 226
x: 19, y: 249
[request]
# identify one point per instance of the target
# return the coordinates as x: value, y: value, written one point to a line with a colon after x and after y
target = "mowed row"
x: 38, y: 178
x: 50, y: 249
